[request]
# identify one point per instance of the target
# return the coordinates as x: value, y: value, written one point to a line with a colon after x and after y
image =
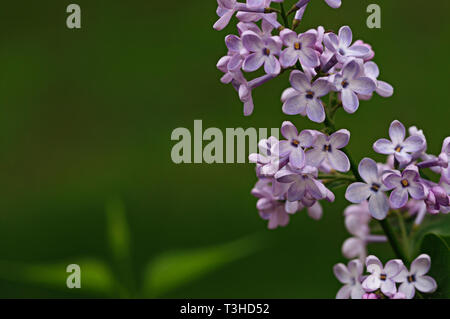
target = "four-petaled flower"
x: 382, y: 277
x: 373, y: 189
x: 351, y: 277
x: 341, y: 45
x: 352, y: 82
x: 298, y: 48
x: 264, y: 51
x: 293, y: 147
x: 305, y: 100
x: 402, y: 184
x: 328, y: 148
x: 400, y: 147
x: 415, y: 278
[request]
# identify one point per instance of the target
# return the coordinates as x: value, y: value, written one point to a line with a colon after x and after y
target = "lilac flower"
x: 306, y: 101
x: 402, y: 184
x: 372, y: 71
x: 236, y: 50
x: 265, y: 32
x: 341, y: 45
x: 302, y: 183
x: 370, y: 295
x: 415, y: 278
x: 299, y: 48
x: 332, y: 3
x: 264, y: 51
x: 351, y: 277
x: 293, y: 147
x: 370, y: 55
x: 438, y: 200
x: 350, y: 83
x: 227, y: 8
x: 268, y: 161
x: 269, y: 18
x: 222, y: 65
x: 373, y: 189
x: 400, y: 147
x: 357, y: 219
x: 382, y: 277
x: 314, y: 211
x: 328, y: 148
x: 269, y: 206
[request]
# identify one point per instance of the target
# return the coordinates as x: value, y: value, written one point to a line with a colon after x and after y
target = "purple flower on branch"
x: 382, y: 277
x: 306, y: 100
x: 400, y: 147
x: 298, y: 48
x: 341, y: 45
x: 263, y: 51
x: 350, y: 83
x: 372, y: 188
x: 328, y: 148
x: 293, y: 147
x: 415, y: 278
x: 351, y: 277
x: 402, y: 184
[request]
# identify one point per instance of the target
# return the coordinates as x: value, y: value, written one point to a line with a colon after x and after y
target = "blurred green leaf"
x: 439, y: 227
x: 118, y: 231
x: 438, y: 249
x: 173, y: 269
x: 96, y: 277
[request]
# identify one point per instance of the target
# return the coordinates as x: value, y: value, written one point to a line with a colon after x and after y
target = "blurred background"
x: 86, y: 175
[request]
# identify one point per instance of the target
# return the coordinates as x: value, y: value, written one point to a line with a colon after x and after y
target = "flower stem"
x: 393, y: 241
x: 284, y: 16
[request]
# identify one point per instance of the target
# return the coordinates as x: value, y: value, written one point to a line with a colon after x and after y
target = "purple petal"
x: 299, y: 81
x: 223, y: 20
x: 339, y: 161
x: 307, y: 39
x: 315, y: 111
x: 384, y: 89
x: 345, y: 291
x: 407, y: 289
x: 288, y: 57
x: 342, y: 274
x: 368, y: 170
x: 340, y: 138
x: 345, y: 36
x: 416, y: 191
x: 315, y: 211
x: 297, y: 158
x: 393, y: 267
x: 363, y: 85
x: 272, y: 65
x: 371, y: 70
x: 357, y: 192
x: 425, y: 284
x: 252, y: 42
x: 253, y: 62
x: 350, y: 101
x: 334, y: 3
x: 296, y: 192
x: 397, y: 132
x: 288, y: 130
x: 392, y: 181
x: 413, y: 144
x: 378, y: 205
x: 308, y: 58
x: 331, y: 41
x: 233, y: 43
x: 371, y: 283
x: 373, y: 264
x: 295, y: 105
x: 351, y: 70
x: 291, y: 207
x: 388, y: 287
x: 357, y: 51
x: 353, y: 247
x: 315, y: 157
x: 321, y: 87
x: 421, y: 265
x: 306, y: 138
x: 384, y: 146
x: 288, y: 37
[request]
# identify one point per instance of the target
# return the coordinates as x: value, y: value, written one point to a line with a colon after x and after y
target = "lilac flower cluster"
x: 320, y: 62
x: 401, y: 175
x: 381, y: 283
x: 288, y: 172
x: 298, y: 171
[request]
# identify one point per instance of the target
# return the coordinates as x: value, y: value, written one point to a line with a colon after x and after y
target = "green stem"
x: 393, y: 241
x: 403, y: 232
x: 283, y: 16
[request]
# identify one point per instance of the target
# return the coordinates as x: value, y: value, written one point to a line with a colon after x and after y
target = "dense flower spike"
x: 298, y: 171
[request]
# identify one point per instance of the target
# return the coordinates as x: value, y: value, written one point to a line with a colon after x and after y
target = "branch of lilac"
x: 298, y: 172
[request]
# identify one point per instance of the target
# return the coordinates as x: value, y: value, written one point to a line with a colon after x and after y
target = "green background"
x: 85, y: 123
